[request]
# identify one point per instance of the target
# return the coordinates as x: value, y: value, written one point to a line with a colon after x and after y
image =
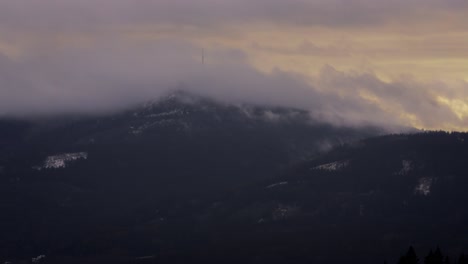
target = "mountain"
x: 186, y: 179
x: 364, y: 201
x: 153, y: 180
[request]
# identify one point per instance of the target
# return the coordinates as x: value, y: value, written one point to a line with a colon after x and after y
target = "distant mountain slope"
x: 366, y: 201
x: 181, y: 130
x: 70, y: 185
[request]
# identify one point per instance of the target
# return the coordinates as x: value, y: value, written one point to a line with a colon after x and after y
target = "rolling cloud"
x: 101, y: 55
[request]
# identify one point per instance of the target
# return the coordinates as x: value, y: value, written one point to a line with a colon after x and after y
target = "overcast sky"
x: 402, y: 62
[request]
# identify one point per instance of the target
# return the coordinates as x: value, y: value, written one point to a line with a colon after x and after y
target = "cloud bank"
x: 94, y: 56
x: 110, y: 76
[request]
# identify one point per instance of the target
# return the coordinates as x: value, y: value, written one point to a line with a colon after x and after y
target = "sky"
x: 399, y: 62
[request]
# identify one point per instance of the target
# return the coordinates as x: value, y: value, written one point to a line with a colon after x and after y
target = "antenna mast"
x: 203, y: 56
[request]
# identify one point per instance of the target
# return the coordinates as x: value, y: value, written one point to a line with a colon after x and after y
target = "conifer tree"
x: 429, y: 259
x: 409, y: 258
x: 438, y: 256
x: 462, y: 259
x: 447, y: 260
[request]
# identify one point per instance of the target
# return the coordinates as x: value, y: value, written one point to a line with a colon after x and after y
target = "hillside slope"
x: 88, y: 186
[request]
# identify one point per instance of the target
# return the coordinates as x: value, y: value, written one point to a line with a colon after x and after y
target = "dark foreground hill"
x: 189, y: 180
x: 367, y: 201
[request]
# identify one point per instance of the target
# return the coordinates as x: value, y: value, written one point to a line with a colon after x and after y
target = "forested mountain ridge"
x: 65, y: 179
x: 368, y: 197
x: 187, y: 179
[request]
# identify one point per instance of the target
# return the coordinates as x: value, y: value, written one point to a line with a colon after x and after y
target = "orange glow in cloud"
x: 401, y: 42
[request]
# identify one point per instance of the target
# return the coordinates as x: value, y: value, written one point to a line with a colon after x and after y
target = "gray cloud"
x: 53, y: 15
x: 113, y: 75
x: 404, y: 96
x: 114, y: 71
x: 306, y: 48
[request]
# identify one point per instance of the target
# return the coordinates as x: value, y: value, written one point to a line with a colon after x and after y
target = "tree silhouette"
x: 462, y: 259
x: 447, y: 260
x: 438, y: 256
x: 435, y: 257
x: 410, y: 257
x: 429, y: 259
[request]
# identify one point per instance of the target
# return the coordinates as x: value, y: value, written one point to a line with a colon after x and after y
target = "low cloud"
x: 109, y: 76
x: 95, y: 56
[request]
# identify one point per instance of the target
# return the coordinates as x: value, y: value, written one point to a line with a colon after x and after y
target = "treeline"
x: 433, y: 257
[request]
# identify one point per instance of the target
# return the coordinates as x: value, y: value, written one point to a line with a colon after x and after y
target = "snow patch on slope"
x: 38, y: 259
x: 176, y: 112
x: 61, y: 161
x: 178, y: 125
x: 333, y: 166
x: 276, y: 184
x: 160, y: 120
x: 407, y: 167
x: 424, y: 186
x: 283, y: 212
